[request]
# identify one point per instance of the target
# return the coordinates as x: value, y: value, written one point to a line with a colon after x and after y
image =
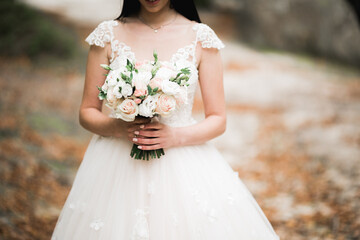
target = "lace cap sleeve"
x: 207, y: 37
x: 102, y: 33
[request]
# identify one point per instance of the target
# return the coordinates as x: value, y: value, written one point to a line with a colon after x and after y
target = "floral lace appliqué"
x: 79, y: 205
x: 203, y: 205
x: 102, y: 34
x: 230, y: 199
x: 97, y: 224
x: 141, y: 227
x: 207, y: 37
x: 175, y: 219
x: 151, y: 188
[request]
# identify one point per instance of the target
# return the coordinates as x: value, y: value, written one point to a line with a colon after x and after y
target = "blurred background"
x: 292, y: 84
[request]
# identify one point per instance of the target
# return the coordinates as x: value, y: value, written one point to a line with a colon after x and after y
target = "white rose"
x: 110, y: 94
x: 155, y: 83
x: 141, y: 79
x: 111, y: 99
x: 118, y: 63
x: 170, y: 88
x: 111, y: 79
x: 127, y: 110
x: 181, y: 63
x: 145, y: 67
x: 126, y: 90
x: 147, y: 107
x: 165, y: 73
x: 116, y: 90
x: 165, y: 104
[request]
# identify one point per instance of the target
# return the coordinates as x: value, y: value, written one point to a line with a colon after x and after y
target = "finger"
x: 150, y: 147
x: 131, y: 136
x: 132, y: 129
x: 146, y: 141
x: 155, y: 125
x: 148, y: 133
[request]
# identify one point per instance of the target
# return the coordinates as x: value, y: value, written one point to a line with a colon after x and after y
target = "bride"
x: 190, y: 193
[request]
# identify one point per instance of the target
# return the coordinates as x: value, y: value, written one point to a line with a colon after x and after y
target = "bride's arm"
x: 90, y: 115
x: 214, y: 124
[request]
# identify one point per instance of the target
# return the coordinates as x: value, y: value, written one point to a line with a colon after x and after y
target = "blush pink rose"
x: 137, y: 100
x: 139, y: 64
x: 165, y: 104
x: 140, y: 89
x: 128, y: 110
x: 155, y: 83
x: 140, y: 92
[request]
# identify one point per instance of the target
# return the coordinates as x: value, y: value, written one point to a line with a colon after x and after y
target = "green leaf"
x: 149, y: 90
x: 155, y: 89
x: 155, y: 57
x: 154, y: 70
x: 129, y: 65
x: 106, y: 67
x: 102, y: 95
x: 185, y: 71
x: 120, y: 89
x: 178, y: 75
x: 126, y: 78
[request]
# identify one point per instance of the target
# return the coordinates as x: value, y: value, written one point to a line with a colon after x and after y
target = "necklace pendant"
x: 155, y: 30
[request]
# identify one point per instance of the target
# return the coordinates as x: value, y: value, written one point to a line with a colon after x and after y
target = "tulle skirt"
x: 190, y: 193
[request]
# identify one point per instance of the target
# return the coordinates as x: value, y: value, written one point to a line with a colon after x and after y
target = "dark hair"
x: 184, y: 7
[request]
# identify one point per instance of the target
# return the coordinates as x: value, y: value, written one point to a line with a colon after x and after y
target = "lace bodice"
x: 103, y: 34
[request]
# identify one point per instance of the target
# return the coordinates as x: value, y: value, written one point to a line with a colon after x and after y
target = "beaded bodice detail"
x: 103, y: 34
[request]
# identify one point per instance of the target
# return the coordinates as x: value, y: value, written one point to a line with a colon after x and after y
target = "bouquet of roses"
x: 146, y: 89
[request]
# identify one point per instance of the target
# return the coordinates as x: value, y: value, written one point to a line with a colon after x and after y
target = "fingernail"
x: 136, y: 132
x: 135, y: 139
x: 139, y: 147
x: 142, y: 126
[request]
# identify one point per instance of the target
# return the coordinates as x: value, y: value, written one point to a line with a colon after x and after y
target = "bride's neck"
x: 157, y: 18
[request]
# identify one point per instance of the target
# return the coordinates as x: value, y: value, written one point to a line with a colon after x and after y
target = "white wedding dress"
x: 190, y: 193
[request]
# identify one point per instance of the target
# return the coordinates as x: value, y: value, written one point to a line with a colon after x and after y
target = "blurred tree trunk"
x: 355, y: 4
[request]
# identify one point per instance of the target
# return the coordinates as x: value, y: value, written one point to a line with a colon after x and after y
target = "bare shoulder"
x: 181, y: 20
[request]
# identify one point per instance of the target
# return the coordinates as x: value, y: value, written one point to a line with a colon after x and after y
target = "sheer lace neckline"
x: 181, y: 49
x: 127, y: 49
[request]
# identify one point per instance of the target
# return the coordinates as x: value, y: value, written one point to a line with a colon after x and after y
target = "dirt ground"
x: 293, y: 134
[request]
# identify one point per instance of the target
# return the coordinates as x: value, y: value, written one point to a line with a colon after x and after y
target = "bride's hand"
x: 153, y: 136
x: 122, y: 128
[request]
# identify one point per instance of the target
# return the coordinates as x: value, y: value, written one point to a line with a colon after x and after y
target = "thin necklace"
x: 156, y: 29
